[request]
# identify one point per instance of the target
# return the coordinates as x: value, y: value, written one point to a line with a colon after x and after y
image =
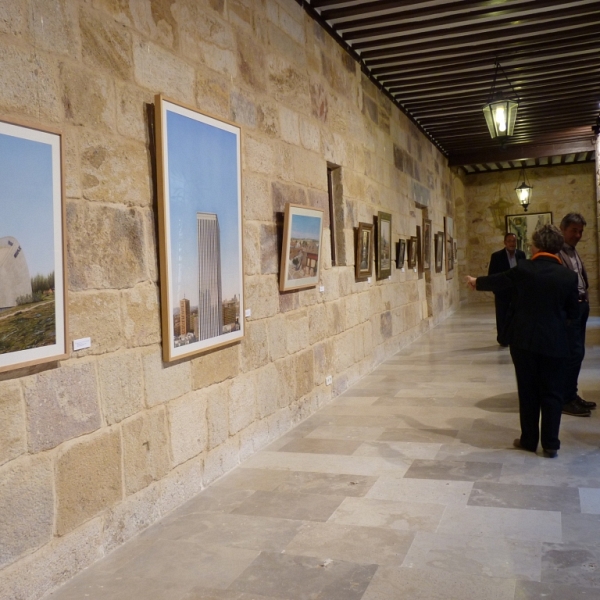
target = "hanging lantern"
x: 524, y: 191
x: 500, y: 113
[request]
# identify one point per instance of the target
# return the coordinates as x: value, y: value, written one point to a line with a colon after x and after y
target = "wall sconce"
x: 500, y: 112
x: 524, y: 191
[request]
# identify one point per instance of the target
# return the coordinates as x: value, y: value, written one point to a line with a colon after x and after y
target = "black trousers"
x: 577, y: 348
x: 541, y: 384
x: 502, y: 302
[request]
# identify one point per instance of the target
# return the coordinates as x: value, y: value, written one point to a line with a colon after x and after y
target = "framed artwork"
x: 523, y: 226
x: 200, y: 230
x: 439, y: 251
x: 364, y: 251
x: 400, y: 253
x: 412, y: 252
x: 426, y: 244
x: 301, y: 251
x: 33, y: 305
x: 448, y: 237
x: 419, y: 250
x: 384, y: 245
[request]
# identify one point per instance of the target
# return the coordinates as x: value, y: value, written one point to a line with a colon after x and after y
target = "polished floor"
x: 405, y: 487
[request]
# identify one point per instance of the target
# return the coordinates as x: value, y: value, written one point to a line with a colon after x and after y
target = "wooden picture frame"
x: 412, y: 252
x: 301, y: 251
x: 199, y: 230
x: 33, y: 265
x: 384, y: 245
x: 426, y: 244
x: 439, y: 251
x: 400, y: 253
x: 364, y: 251
x: 449, y: 251
x: 524, y: 225
x: 419, y: 250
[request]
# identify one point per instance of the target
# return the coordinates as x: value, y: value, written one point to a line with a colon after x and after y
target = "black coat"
x: 498, y: 264
x: 544, y: 302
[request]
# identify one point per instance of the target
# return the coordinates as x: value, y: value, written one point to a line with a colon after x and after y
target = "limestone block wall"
x: 558, y: 189
x: 98, y: 447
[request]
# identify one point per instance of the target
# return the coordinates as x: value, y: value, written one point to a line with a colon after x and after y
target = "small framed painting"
x: 364, y: 251
x: 412, y: 252
x: 33, y: 303
x: 400, y: 253
x: 419, y: 250
x: 384, y: 245
x: 524, y: 226
x: 439, y: 251
x: 449, y: 237
x: 301, y: 251
x: 199, y: 230
x: 426, y: 244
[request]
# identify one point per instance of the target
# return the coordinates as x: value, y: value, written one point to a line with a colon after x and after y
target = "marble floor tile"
x: 406, y: 516
x: 531, y: 497
x: 312, y: 445
x: 453, y: 470
x: 398, y: 449
x: 571, y: 564
x: 304, y: 578
x: 584, y: 529
x: 409, y: 434
x: 340, y: 432
x: 329, y: 484
x: 590, y: 500
x: 530, y: 590
x: 364, y: 545
x: 533, y: 525
x: 284, y: 505
x: 392, y: 583
x: 200, y: 593
x: 429, y: 491
x: 485, y: 556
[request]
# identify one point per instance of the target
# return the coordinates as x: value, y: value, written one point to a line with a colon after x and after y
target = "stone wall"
x: 558, y: 189
x: 98, y: 447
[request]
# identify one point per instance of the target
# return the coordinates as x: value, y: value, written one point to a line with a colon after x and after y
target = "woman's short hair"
x: 548, y: 238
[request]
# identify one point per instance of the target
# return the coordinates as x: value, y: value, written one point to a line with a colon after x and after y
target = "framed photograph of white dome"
x: 32, y: 247
x: 301, y: 252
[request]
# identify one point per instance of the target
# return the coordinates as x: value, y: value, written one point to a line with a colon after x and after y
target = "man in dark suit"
x: 572, y: 229
x: 501, y: 261
x: 545, y: 304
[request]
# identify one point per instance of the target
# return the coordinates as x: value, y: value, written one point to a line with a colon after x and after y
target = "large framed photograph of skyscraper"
x: 200, y: 230
x: 33, y: 307
x: 301, y: 251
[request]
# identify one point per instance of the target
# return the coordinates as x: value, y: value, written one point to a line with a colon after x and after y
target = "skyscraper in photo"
x: 210, y: 309
x: 184, y: 316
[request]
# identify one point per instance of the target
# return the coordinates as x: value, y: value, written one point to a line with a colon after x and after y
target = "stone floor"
x: 407, y: 486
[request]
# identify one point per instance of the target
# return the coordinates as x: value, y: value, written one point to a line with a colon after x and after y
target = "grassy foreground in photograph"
x: 28, y: 326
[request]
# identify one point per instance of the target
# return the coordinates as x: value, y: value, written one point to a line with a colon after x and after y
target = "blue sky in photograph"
x: 26, y: 200
x: 304, y: 227
x: 202, y: 178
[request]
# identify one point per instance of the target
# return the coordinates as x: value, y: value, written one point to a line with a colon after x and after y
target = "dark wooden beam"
x: 515, y: 153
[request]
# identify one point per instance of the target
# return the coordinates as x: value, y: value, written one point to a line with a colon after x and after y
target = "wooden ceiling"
x: 436, y: 59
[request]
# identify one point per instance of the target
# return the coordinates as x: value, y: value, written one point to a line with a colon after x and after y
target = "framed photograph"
x: 412, y: 252
x: 439, y: 251
x: 523, y: 226
x: 426, y: 244
x: 448, y: 237
x: 364, y: 251
x: 419, y: 250
x: 200, y: 230
x: 400, y: 253
x: 384, y: 245
x: 301, y: 251
x: 33, y: 306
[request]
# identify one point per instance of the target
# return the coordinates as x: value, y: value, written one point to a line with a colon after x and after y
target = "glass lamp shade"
x: 500, y: 116
x: 524, y: 193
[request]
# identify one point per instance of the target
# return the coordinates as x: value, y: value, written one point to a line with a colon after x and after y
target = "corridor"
x: 406, y: 486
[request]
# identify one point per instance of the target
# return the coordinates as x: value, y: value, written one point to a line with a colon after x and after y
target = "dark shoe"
x: 585, y: 403
x: 517, y: 444
x: 575, y: 409
x: 550, y: 453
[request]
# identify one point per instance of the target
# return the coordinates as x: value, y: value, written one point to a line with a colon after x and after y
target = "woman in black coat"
x: 545, y: 302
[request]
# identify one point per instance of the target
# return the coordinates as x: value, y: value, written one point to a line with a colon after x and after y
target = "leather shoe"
x: 550, y: 453
x: 517, y: 444
x: 585, y: 403
x: 575, y: 409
